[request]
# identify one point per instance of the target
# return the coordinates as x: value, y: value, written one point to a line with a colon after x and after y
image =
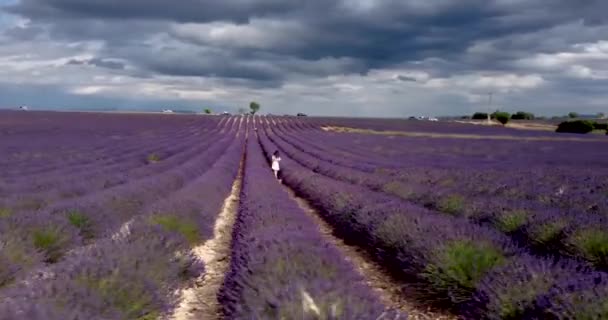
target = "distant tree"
x: 601, y: 115
x: 577, y: 126
x: 208, y: 111
x: 254, y: 107
x: 480, y: 116
x: 573, y: 115
x: 502, y: 117
x: 521, y: 115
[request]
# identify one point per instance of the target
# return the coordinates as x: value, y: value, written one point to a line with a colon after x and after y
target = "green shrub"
x: 511, y: 221
x: 50, y: 241
x: 172, y: 223
x: 502, y: 117
x: 82, y: 222
x: 460, y: 265
x: 453, y: 204
x: 480, y: 116
x: 521, y: 115
x: 544, y: 233
x: 600, y: 126
x: 578, y: 126
x: 573, y: 115
x: 153, y: 158
x: 5, y: 212
x: 592, y: 244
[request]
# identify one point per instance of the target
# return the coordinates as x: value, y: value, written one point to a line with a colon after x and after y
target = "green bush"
x: 502, y: 117
x: 521, y: 115
x: 480, y: 116
x: 600, y: 126
x: 577, y: 126
x: 511, y: 221
x: 453, y: 204
x: 5, y: 212
x: 592, y: 244
x: 459, y: 266
x: 172, y: 223
x: 573, y: 115
x: 82, y: 222
x: 49, y: 241
x: 153, y: 158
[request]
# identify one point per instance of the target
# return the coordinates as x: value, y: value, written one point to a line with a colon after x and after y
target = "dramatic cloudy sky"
x: 341, y: 57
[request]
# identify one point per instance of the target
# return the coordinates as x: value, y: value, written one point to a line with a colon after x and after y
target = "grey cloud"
x: 98, y: 62
x: 285, y: 41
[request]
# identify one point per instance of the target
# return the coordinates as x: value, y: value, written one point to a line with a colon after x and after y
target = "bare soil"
x: 393, y: 294
x: 201, y: 301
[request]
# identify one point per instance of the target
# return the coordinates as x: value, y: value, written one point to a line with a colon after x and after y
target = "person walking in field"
x: 276, y: 158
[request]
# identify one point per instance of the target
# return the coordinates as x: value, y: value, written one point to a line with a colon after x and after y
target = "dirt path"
x: 200, y: 301
x: 392, y: 294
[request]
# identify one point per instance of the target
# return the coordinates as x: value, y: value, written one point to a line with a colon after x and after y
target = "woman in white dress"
x: 276, y: 158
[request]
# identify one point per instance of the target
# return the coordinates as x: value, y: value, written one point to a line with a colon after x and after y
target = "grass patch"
x: 82, y: 223
x: 50, y: 242
x: 592, y: 244
x: 453, y: 204
x: 511, y: 221
x: 460, y: 265
x: 172, y: 223
x: 129, y: 297
x: 547, y: 232
x: 153, y: 158
x: 5, y: 212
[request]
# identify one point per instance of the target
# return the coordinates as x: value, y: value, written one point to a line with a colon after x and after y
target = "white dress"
x: 275, y: 163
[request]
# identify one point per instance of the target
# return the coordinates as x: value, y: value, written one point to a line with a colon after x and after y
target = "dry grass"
x: 453, y: 135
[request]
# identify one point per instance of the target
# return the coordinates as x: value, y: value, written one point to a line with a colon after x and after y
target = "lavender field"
x: 150, y: 216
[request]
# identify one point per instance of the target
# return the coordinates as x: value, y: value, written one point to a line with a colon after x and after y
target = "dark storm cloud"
x: 376, y: 34
x: 261, y: 44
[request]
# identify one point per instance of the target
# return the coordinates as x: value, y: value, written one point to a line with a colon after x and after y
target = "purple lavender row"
x: 548, y: 230
x: 105, y: 154
x: 474, y: 267
x: 46, y: 159
x: 104, y: 178
x: 465, y: 152
x: 70, y: 188
x: 582, y: 189
x: 47, y: 235
x: 281, y: 267
x: 123, y: 160
x: 431, y: 127
x: 134, y: 276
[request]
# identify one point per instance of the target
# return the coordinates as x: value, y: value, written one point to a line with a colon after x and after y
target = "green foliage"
x: 399, y: 189
x: 207, y: 111
x: 131, y: 298
x: 5, y: 212
x: 592, y: 243
x: 480, y: 116
x: 502, y: 117
x: 544, y: 233
x: 572, y: 115
x: 153, y: 158
x: 453, y: 204
x: 511, y: 221
x: 521, y: 115
x: 254, y: 107
x: 577, y: 126
x: 600, y: 126
x: 50, y: 241
x: 173, y: 223
x: 82, y: 222
x: 460, y: 265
